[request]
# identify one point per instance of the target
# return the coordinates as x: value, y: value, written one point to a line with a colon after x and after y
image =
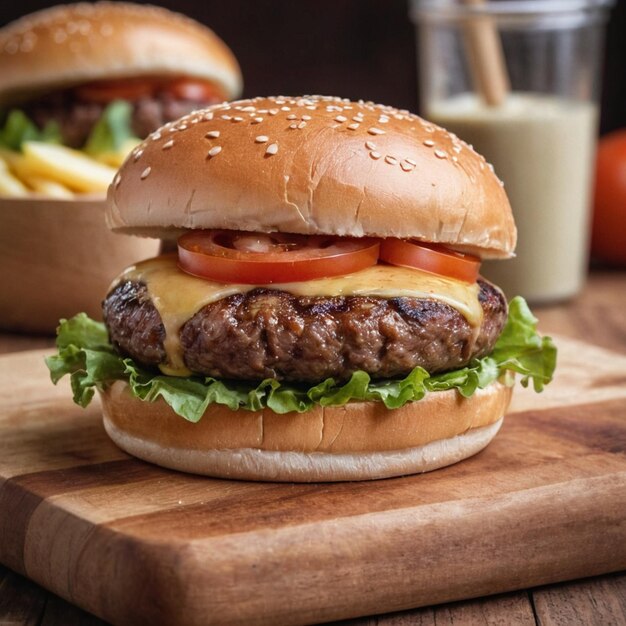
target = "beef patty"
x: 76, y: 118
x: 273, y: 334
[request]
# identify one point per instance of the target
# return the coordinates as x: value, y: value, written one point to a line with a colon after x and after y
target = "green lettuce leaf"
x: 112, y: 130
x: 18, y: 128
x: 85, y: 354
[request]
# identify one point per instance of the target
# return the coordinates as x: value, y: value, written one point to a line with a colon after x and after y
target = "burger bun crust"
x: 72, y: 44
x: 358, y: 441
x: 313, y: 165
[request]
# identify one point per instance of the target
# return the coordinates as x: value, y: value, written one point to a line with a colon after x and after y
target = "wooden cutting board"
x: 136, y: 544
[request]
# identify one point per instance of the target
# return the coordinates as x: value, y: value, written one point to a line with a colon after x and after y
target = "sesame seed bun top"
x: 316, y: 165
x: 72, y: 44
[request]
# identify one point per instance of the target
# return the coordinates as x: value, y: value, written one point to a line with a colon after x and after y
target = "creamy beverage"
x: 542, y: 147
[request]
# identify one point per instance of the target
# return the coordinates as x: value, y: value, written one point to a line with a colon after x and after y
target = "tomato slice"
x: 260, y: 259
x: 105, y: 91
x: 430, y: 258
x: 194, y: 89
x: 132, y: 89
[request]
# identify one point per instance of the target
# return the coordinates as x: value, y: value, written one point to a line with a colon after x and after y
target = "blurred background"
x: 350, y: 48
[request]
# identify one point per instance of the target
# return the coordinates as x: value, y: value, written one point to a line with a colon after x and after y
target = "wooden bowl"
x: 57, y: 258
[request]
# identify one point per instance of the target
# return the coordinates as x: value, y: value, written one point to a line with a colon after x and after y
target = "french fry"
x: 49, y: 188
x: 9, y: 157
x: 115, y: 159
x: 9, y: 184
x: 66, y: 166
x: 23, y: 168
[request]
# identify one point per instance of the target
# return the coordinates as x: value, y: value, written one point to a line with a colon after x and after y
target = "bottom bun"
x: 358, y: 441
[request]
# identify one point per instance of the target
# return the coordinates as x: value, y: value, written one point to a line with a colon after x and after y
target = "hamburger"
x: 323, y: 317
x: 64, y: 68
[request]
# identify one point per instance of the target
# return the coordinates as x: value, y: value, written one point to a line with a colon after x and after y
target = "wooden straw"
x: 487, y: 65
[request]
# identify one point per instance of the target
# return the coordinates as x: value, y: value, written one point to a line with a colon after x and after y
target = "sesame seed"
x: 375, y: 155
x: 215, y: 150
x: 272, y: 149
x: 225, y: 117
x: 305, y: 117
x: 383, y: 119
x: 155, y: 136
x: 301, y: 124
x: 118, y: 180
x: 293, y: 126
x: 391, y: 160
x: 208, y: 116
x: 182, y: 127
x: 27, y: 45
x: 137, y: 155
x: 168, y: 144
x: 370, y: 145
x: 456, y: 158
x: 440, y: 154
x: 257, y: 120
x: 490, y: 166
x: 285, y: 108
x: 311, y: 107
x: 237, y: 119
x: 429, y: 142
x: 195, y: 120
x: 411, y: 161
x: 146, y: 173
x: 407, y: 167
x: 292, y: 117
x: 352, y: 126
x: 375, y: 131
x: 248, y: 108
x: 261, y: 138
x: 341, y: 119
x: 213, y: 134
x: 273, y: 111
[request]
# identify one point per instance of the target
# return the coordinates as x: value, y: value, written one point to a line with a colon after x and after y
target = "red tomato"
x: 105, y: 91
x: 430, y: 258
x: 608, y: 239
x: 194, y: 89
x: 260, y: 259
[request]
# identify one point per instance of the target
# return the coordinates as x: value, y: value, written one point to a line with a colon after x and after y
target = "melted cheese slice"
x: 178, y: 296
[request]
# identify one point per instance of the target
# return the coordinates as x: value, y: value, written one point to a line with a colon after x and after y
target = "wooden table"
x: 597, y: 316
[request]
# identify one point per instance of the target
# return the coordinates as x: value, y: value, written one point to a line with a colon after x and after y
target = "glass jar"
x: 520, y: 80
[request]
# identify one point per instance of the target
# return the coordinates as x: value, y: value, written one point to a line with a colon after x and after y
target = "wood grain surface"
x: 137, y: 544
x: 599, y: 601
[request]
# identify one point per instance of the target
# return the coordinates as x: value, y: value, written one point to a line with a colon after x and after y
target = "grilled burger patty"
x: 76, y: 118
x: 273, y: 334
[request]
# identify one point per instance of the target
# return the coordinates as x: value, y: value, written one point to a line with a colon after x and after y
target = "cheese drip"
x: 178, y: 296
